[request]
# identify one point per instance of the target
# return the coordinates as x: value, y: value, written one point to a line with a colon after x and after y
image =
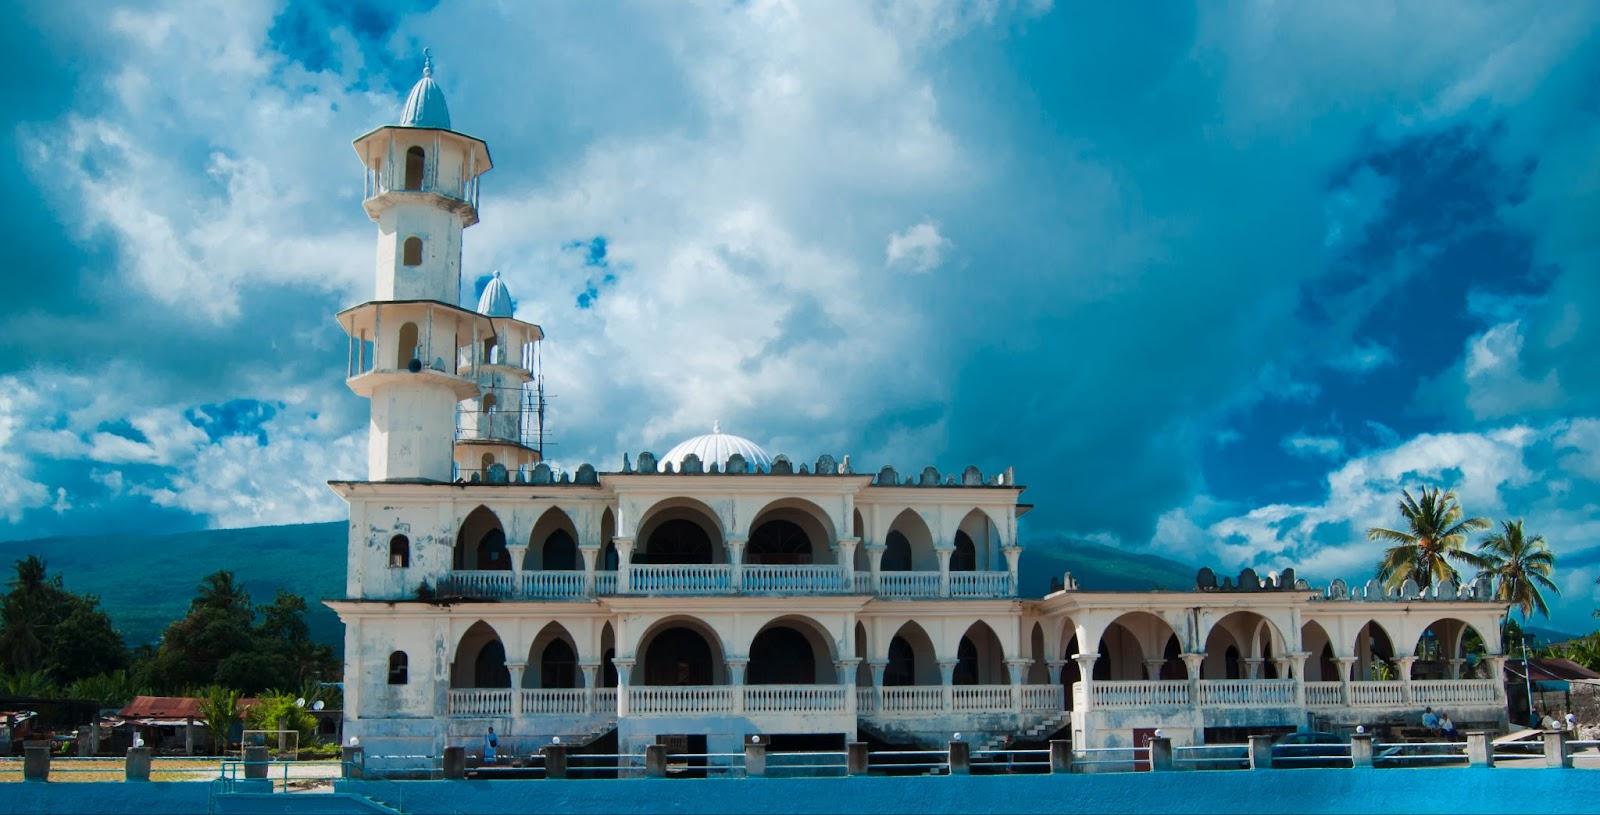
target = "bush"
x: 319, y: 752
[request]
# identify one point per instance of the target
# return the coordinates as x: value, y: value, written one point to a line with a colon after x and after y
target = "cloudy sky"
x: 1217, y: 281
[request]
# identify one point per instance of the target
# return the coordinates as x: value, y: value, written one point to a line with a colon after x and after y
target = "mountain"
x: 146, y: 581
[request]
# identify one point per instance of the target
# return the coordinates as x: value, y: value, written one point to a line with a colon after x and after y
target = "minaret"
x: 413, y: 351
x: 494, y: 427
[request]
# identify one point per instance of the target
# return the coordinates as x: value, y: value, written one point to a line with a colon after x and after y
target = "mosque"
x: 718, y: 592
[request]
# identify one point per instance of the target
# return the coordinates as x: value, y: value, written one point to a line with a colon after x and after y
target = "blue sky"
x: 1217, y: 280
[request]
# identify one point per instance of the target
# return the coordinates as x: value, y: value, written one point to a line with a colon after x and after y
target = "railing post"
x: 36, y: 761
x: 1060, y: 756
x: 1297, y: 665
x: 352, y: 761
x: 855, y: 758
x: 1361, y: 750
x: 1402, y: 667
x: 1480, y: 753
x: 875, y: 565
x: 455, y: 763
x: 1160, y: 753
x: 516, y: 668
x: 1086, y: 676
x: 947, y: 677
x: 960, y: 758
x: 1192, y: 663
x: 755, y: 756
x: 591, y: 675
x: 1013, y: 555
x: 590, y: 557
x: 1345, y: 664
x: 624, y: 670
x: 1018, y: 669
x: 736, y: 666
x: 624, y: 564
x: 944, y: 570
x: 1555, y: 749
x: 736, y: 563
x: 1260, y: 752
x: 655, y: 760
x: 555, y: 760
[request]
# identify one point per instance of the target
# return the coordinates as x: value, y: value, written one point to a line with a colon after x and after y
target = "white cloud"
x: 917, y: 249
x: 18, y: 493
x: 1302, y: 444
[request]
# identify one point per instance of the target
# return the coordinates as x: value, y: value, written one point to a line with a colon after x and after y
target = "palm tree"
x: 1520, y: 566
x: 1436, y: 535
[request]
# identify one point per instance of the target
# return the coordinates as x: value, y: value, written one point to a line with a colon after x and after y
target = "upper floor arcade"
x: 660, y: 534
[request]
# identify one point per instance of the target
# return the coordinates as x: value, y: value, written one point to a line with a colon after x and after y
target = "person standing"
x: 490, y: 743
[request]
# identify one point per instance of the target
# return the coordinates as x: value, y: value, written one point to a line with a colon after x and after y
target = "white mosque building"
x: 717, y: 591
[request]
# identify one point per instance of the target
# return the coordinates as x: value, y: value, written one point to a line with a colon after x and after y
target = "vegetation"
x: 220, y: 707
x: 1520, y: 566
x: 45, y: 628
x: 1585, y: 651
x: 1435, y: 535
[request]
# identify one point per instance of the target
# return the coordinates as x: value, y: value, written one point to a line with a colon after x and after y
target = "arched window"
x: 965, y: 556
x: 489, y: 668
x: 489, y: 403
x: 408, y: 346
x: 676, y: 541
x: 411, y: 252
x: 902, y: 667
x: 778, y: 543
x: 896, y: 553
x: 608, y: 669
x: 487, y: 461
x: 397, y: 668
x: 416, y: 162
x: 560, y: 552
x: 558, y: 666
x: 490, y: 348
x: 399, y: 552
x: 966, y: 672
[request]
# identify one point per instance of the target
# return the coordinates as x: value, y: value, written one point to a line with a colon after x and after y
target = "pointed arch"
x: 608, y: 547
x: 608, y: 655
x: 416, y: 167
x: 976, y: 542
x: 480, y: 659
x: 908, y: 546
x: 1373, y: 647
x: 481, y: 542
x: 553, y: 543
x: 1321, y: 665
x: 1446, y: 647
x: 407, y: 346
x: 980, y: 657
x: 552, y: 659
x: 912, y: 658
x: 1129, y: 642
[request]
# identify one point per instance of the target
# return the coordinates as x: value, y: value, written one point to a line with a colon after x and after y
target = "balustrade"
x: 866, y: 700
x: 488, y: 584
x: 1324, y: 694
x: 1246, y: 692
x: 605, y: 700
x: 605, y: 582
x: 554, y: 700
x: 913, y: 699
x: 974, y: 698
x: 1388, y: 693
x: 1136, y: 693
x: 908, y: 584
x: 794, y: 698
x: 980, y: 584
x: 552, y: 584
x: 682, y: 578
x: 648, y: 699
x: 480, y: 701
x: 1454, y: 692
x: 1043, y: 697
x: 794, y: 579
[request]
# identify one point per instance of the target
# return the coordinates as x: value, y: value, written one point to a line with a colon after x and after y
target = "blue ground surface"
x: 1452, y: 791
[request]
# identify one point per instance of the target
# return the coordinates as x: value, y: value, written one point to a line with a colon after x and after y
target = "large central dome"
x: 715, y: 448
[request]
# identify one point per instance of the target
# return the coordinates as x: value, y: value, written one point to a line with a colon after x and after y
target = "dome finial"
x: 716, y: 425
x: 427, y: 62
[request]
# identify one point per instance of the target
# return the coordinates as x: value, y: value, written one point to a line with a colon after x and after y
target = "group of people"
x: 1439, y: 723
x: 1550, y: 722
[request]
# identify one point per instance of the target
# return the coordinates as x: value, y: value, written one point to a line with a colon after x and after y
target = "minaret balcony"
x: 369, y: 382
x: 461, y: 202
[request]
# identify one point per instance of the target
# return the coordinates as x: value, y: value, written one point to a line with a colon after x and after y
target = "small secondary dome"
x: 425, y: 105
x: 496, y: 299
x: 715, y: 448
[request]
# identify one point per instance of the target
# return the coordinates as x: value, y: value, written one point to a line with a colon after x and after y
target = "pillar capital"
x: 1086, y: 661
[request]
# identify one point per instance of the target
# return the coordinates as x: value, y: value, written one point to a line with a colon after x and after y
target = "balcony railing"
x: 980, y: 584
x: 908, y: 584
x: 686, y: 578
x: 797, y: 579
x: 977, y: 698
x: 794, y: 698
x: 913, y: 699
x: 1389, y: 693
x: 552, y: 584
x: 1043, y: 698
x: 556, y: 700
x: 646, y: 699
x: 487, y: 584
x: 1454, y: 692
x: 1324, y: 694
x: 1137, y: 693
x: 480, y: 701
x: 1246, y: 692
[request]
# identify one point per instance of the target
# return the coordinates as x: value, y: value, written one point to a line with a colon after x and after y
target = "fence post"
x: 655, y: 760
x: 1260, y: 752
x: 455, y: 763
x: 755, y: 756
x: 960, y: 758
x: 1361, y: 750
x: 1161, y: 753
x: 36, y: 761
x: 1060, y: 756
x: 1480, y: 753
x: 1555, y: 749
x: 137, y: 767
x: 353, y: 761
x: 555, y: 760
x: 855, y: 755
x: 86, y: 745
x: 255, y: 761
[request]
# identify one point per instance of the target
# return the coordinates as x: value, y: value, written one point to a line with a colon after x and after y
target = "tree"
x: 220, y: 708
x: 1435, y: 537
x: 44, y: 627
x: 225, y: 640
x: 1520, y: 566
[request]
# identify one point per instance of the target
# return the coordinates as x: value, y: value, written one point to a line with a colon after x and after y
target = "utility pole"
x: 1527, y: 680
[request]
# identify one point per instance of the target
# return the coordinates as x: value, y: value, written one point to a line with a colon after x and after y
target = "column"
x: 944, y: 570
x: 1013, y: 554
x: 878, y: 666
x: 947, y: 675
x: 1402, y: 666
x: 517, y: 551
x: 1297, y: 664
x: 1455, y: 667
x: 624, y: 567
x: 736, y: 561
x: 591, y: 676
x: 624, y: 668
x: 516, y: 669
x: 875, y: 563
x: 1281, y: 666
x: 1055, y: 666
x: 1086, y: 677
x: 590, y: 557
x: 736, y: 666
x: 1152, y: 668
x: 845, y: 669
x: 1252, y: 667
x: 1345, y: 665
x: 847, y: 561
x: 1018, y: 668
x: 1192, y: 663
x: 1497, y: 666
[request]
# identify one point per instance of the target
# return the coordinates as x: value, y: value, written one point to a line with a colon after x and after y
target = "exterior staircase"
x: 1044, y: 727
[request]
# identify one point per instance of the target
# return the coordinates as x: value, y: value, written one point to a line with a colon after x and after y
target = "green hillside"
x: 146, y: 581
